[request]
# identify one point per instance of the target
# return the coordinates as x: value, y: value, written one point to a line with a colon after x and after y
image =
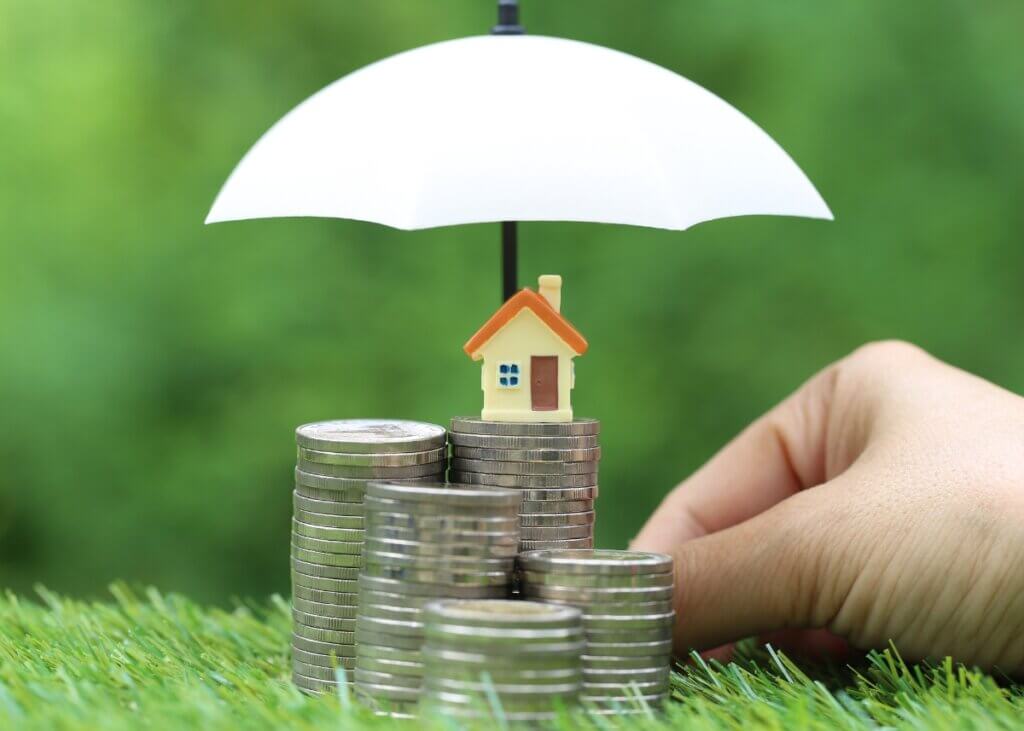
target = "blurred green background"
x: 152, y: 369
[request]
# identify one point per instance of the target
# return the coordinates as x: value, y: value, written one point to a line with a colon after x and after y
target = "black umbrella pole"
x: 509, y: 259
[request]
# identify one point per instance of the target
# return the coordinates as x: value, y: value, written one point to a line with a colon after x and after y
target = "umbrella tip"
x: 508, y: 19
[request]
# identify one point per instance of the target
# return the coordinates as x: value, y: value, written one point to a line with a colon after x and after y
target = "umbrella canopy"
x: 514, y: 127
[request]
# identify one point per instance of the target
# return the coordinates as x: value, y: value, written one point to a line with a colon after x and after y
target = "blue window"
x: 508, y: 375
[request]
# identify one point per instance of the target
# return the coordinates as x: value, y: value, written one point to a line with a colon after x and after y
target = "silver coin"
x: 625, y: 676
x: 411, y: 588
x: 334, y: 547
x: 578, y: 427
x: 346, y: 522
x: 314, y: 685
x: 391, y: 667
x: 528, y: 455
x: 559, y: 494
x: 506, y: 549
x: 327, y: 534
x: 337, y: 649
x: 344, y: 560
x: 539, y: 520
x: 604, y: 663
x: 494, y: 467
x: 568, y: 580
x: 501, y: 674
x: 444, y: 494
x: 505, y: 691
x: 397, y: 602
x: 321, y: 571
x: 355, y: 459
x: 327, y: 507
x: 389, y: 692
x: 599, y: 561
x: 628, y: 649
x: 371, y: 473
x: 590, y: 596
x: 457, y: 523
x: 378, y: 557
x: 388, y: 611
x: 549, y: 507
x: 662, y: 620
x: 403, y: 642
x: 376, y: 677
x: 610, y: 610
x: 318, y: 672
x: 449, y: 577
x: 333, y: 576
x: 337, y: 485
x: 522, y: 481
x: 557, y: 533
x: 324, y: 635
x: 401, y: 627
x: 370, y: 436
x: 336, y: 496
x: 446, y: 537
x: 341, y: 601
x: 649, y: 687
x: 324, y: 661
x: 396, y: 655
x: 436, y: 509
x: 497, y: 441
x: 344, y: 612
x: 603, y: 635
x: 495, y: 615
x: 323, y: 622
x: 449, y: 660
x: 532, y: 545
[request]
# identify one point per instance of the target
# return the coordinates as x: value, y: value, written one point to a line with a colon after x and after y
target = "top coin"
x: 595, y: 561
x: 440, y: 493
x: 504, y: 613
x: 577, y: 428
x: 370, y: 436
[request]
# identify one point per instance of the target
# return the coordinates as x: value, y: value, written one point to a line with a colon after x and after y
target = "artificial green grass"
x: 147, y: 660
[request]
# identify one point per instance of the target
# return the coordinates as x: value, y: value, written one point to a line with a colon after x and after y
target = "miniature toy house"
x: 527, y: 349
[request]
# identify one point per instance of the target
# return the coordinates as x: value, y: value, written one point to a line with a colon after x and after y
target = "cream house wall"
x: 525, y: 335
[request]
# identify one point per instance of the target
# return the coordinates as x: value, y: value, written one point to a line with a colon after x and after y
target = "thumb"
x: 768, y: 573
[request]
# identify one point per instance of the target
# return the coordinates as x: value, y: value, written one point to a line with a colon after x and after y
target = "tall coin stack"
x: 335, y: 461
x: 553, y: 464
x: 525, y: 655
x: 626, y: 600
x: 424, y: 542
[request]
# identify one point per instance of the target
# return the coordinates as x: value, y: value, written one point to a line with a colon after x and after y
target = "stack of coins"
x: 424, y: 542
x: 335, y: 461
x: 526, y: 656
x: 554, y: 465
x: 626, y: 600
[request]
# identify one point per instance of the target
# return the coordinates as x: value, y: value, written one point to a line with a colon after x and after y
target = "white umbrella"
x: 513, y: 127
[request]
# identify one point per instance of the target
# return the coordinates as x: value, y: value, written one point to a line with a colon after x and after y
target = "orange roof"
x: 541, y: 308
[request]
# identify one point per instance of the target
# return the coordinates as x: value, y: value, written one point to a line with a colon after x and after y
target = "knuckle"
x: 887, y: 352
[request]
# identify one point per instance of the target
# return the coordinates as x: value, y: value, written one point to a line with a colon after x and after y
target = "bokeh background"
x: 152, y: 369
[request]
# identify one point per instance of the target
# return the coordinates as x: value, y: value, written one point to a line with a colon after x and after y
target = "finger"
x: 762, y: 575
x: 775, y: 457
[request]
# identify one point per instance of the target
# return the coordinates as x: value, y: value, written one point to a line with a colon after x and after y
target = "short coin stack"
x: 424, y: 542
x: 554, y: 465
x: 626, y: 600
x: 525, y: 655
x: 335, y: 461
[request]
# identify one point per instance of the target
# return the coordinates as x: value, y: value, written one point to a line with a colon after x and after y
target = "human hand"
x: 884, y: 500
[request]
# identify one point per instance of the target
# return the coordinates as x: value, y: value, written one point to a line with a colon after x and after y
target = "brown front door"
x: 544, y: 382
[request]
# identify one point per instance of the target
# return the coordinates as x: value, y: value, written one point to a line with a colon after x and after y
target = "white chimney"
x: 550, y: 287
